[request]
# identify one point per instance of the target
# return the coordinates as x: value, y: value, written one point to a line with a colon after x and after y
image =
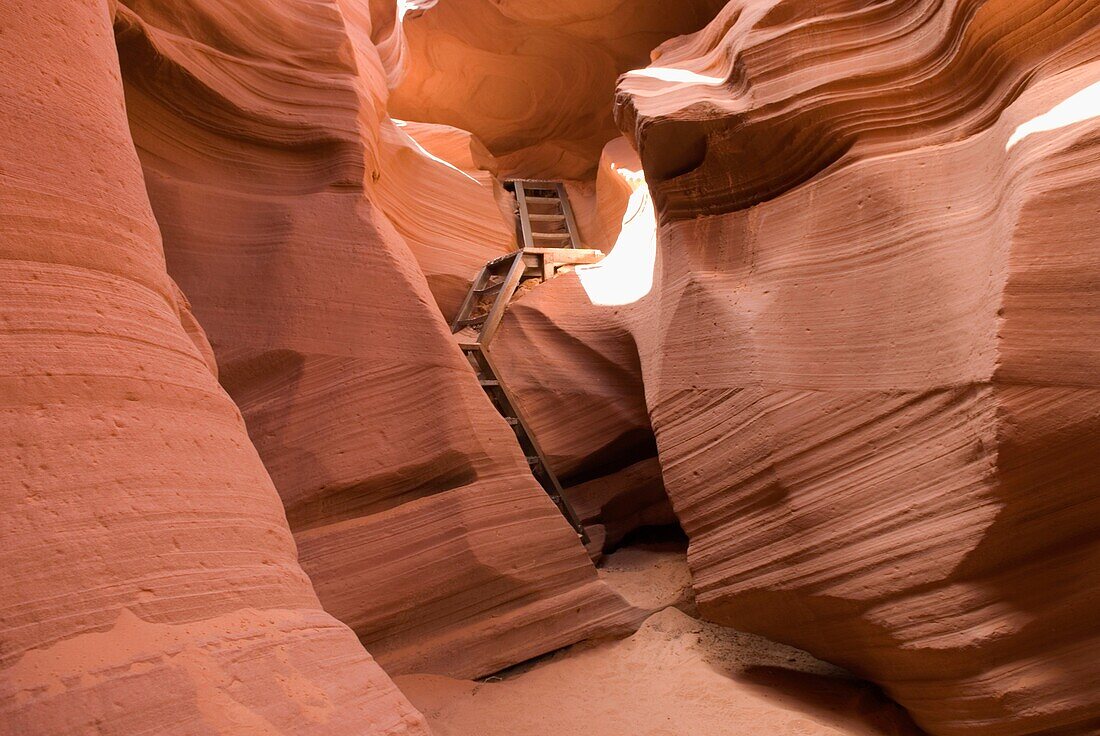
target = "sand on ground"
x: 675, y: 676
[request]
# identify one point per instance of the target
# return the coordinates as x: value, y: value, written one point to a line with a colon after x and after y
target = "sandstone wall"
x: 533, y: 81
x: 150, y: 580
x: 870, y: 354
x: 277, y: 177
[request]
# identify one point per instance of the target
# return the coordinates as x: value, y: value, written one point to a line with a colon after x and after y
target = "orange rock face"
x: 533, y: 81
x: 870, y: 353
x: 849, y: 336
x: 295, y: 216
x: 443, y: 207
x: 150, y: 579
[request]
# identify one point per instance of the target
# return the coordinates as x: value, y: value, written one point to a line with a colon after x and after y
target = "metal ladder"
x: 544, y: 217
x: 502, y: 399
x: 492, y: 289
x: 497, y: 281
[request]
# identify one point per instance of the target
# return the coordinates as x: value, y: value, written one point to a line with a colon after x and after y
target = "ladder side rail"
x: 524, y: 219
x: 471, y: 297
x: 548, y: 267
x: 496, y: 313
x: 560, y: 502
x: 570, y: 222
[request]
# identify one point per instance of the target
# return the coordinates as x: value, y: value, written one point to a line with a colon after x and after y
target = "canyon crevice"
x: 828, y: 408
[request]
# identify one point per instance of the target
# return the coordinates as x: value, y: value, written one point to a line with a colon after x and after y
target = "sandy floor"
x: 675, y: 677
x: 651, y: 576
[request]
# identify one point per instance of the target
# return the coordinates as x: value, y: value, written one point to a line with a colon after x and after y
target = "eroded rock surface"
x: 277, y: 178
x: 859, y: 352
x: 533, y: 81
x: 150, y: 580
x: 870, y: 353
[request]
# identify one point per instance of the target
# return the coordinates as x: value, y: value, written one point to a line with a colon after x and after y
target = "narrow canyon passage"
x: 779, y: 412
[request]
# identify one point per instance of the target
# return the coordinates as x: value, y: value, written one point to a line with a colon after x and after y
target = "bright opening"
x: 672, y: 74
x: 1075, y: 109
x: 626, y: 274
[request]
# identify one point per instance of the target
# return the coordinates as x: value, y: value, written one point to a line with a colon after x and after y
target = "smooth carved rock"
x: 615, y: 504
x: 277, y: 178
x: 871, y: 350
x: 533, y: 81
x: 443, y: 206
x: 150, y: 580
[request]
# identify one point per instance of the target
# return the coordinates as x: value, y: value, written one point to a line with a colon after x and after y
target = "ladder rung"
x: 547, y: 218
x: 537, y: 184
x: 551, y: 236
x: 472, y: 321
x: 512, y: 421
x: 490, y: 289
x: 542, y: 200
x: 488, y: 383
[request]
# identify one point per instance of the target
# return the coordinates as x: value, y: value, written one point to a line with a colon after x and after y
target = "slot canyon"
x: 789, y: 424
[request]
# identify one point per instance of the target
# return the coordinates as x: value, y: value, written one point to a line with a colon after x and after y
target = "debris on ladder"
x: 543, y: 218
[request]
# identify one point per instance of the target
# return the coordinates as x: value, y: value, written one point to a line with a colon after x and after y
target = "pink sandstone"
x: 870, y: 354
x: 151, y: 581
x: 402, y: 484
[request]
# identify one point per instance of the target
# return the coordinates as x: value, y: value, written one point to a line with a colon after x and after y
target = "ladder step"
x: 543, y: 200
x: 472, y: 321
x: 489, y: 384
x: 490, y: 289
x: 537, y: 184
x: 512, y: 421
x: 552, y: 236
x: 547, y: 218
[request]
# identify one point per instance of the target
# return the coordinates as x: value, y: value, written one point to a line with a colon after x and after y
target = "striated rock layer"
x: 150, y: 580
x: 284, y: 193
x: 870, y: 354
x: 533, y: 81
x: 441, y: 204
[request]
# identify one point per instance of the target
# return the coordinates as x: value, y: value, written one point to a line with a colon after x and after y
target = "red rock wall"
x: 533, y: 81
x: 444, y: 208
x: 265, y: 150
x: 150, y: 580
x: 870, y: 354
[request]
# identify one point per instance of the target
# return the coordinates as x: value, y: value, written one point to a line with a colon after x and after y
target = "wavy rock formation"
x: 272, y: 169
x: 441, y: 204
x: 150, y: 579
x: 871, y: 350
x: 612, y: 506
x: 849, y: 336
x: 533, y: 81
